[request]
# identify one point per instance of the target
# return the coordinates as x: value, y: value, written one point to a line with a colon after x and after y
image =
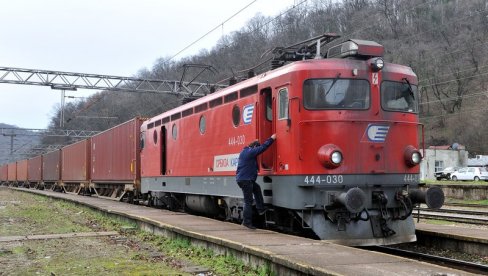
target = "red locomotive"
x: 344, y: 167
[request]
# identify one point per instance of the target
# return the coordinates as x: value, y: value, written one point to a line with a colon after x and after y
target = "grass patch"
x: 141, y: 254
x: 175, y: 249
x: 220, y: 264
x: 449, y: 182
x: 56, y: 257
x: 26, y: 214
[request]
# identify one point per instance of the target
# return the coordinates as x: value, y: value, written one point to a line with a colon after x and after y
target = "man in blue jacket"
x: 247, y: 172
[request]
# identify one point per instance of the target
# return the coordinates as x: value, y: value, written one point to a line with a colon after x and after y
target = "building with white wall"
x: 439, y: 157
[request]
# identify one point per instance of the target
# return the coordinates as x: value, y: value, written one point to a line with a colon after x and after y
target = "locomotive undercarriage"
x: 375, y: 226
x: 364, y: 214
x: 230, y: 209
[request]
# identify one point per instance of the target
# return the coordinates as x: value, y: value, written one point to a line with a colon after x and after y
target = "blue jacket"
x: 247, y: 166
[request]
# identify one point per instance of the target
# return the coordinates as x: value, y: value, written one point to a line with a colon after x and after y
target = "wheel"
x: 476, y: 178
x: 454, y: 178
x: 438, y: 178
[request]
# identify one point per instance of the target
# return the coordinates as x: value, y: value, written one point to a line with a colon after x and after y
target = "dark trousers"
x: 250, y: 188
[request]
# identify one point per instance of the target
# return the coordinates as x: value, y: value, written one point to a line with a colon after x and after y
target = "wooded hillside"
x: 444, y: 41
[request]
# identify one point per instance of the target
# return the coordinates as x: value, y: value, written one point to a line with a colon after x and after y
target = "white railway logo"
x: 377, y: 133
x: 247, y: 113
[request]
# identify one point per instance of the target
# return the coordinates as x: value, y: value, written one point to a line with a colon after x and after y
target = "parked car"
x: 470, y: 173
x: 445, y: 173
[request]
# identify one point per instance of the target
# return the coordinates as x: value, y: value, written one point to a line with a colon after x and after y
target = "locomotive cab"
x: 354, y: 169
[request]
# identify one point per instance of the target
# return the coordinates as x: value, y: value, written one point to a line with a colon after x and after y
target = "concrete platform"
x: 453, y: 237
x: 284, y: 254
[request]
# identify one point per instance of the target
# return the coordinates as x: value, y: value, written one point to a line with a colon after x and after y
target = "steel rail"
x: 457, y: 211
x: 459, y: 219
x: 443, y: 261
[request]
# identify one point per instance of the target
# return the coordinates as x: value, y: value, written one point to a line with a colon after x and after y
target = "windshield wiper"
x: 410, y: 90
x: 332, y: 85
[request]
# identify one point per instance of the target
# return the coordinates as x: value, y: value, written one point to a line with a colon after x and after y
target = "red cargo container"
x: 22, y: 171
x: 3, y: 172
x: 115, y: 154
x: 34, y: 169
x: 75, y: 160
x: 51, y: 166
x: 12, y: 172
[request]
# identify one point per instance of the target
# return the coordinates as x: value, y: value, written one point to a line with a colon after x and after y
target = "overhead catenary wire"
x: 484, y: 43
x: 456, y: 79
x: 457, y: 98
x: 212, y: 30
x: 347, y: 36
x: 453, y: 114
x: 452, y: 73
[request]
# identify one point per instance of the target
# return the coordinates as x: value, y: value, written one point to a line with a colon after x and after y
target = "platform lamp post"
x: 63, y: 89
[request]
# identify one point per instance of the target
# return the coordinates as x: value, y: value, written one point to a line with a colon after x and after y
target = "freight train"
x: 344, y: 167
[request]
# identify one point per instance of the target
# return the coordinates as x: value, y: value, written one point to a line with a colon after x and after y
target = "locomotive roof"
x: 310, y: 64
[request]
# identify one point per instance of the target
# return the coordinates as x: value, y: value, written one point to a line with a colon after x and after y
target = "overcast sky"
x: 112, y: 37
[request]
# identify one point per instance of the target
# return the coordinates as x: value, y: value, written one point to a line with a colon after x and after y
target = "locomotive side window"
x: 236, y: 115
x: 165, y: 120
x: 174, y: 131
x: 202, y: 124
x: 155, y: 136
x: 175, y: 116
x: 248, y: 91
x: 336, y: 94
x: 283, y: 105
x: 399, y: 96
x: 201, y: 107
x: 269, y: 106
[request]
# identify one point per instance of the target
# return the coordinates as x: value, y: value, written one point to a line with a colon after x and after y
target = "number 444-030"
x: 323, y: 179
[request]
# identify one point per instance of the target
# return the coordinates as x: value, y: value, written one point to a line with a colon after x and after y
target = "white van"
x: 470, y: 173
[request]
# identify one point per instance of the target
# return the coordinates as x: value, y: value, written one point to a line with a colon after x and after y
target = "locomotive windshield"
x: 399, y: 96
x: 336, y: 94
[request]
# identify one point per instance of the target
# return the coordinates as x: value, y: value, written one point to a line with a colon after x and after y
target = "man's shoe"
x: 250, y: 226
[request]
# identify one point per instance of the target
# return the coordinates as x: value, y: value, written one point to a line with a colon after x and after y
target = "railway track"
x: 466, y: 205
x: 478, y: 217
x: 443, y: 261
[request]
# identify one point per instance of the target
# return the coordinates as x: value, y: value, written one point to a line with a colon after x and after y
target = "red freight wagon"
x: 12, y: 172
x: 75, y: 168
x: 34, y: 170
x: 22, y: 175
x: 115, y: 161
x: 4, y: 173
x: 51, y: 168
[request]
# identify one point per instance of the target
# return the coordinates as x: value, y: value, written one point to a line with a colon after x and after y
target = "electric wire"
x: 454, y: 114
x: 345, y: 37
x: 212, y: 30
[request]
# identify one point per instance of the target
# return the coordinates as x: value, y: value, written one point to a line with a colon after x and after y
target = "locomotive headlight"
x: 416, y: 157
x: 336, y: 157
x: 412, y: 156
x: 330, y: 156
x: 377, y: 64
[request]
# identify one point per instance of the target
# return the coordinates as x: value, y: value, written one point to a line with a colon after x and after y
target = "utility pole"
x: 63, y: 89
x: 11, y: 135
x: 61, y: 119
